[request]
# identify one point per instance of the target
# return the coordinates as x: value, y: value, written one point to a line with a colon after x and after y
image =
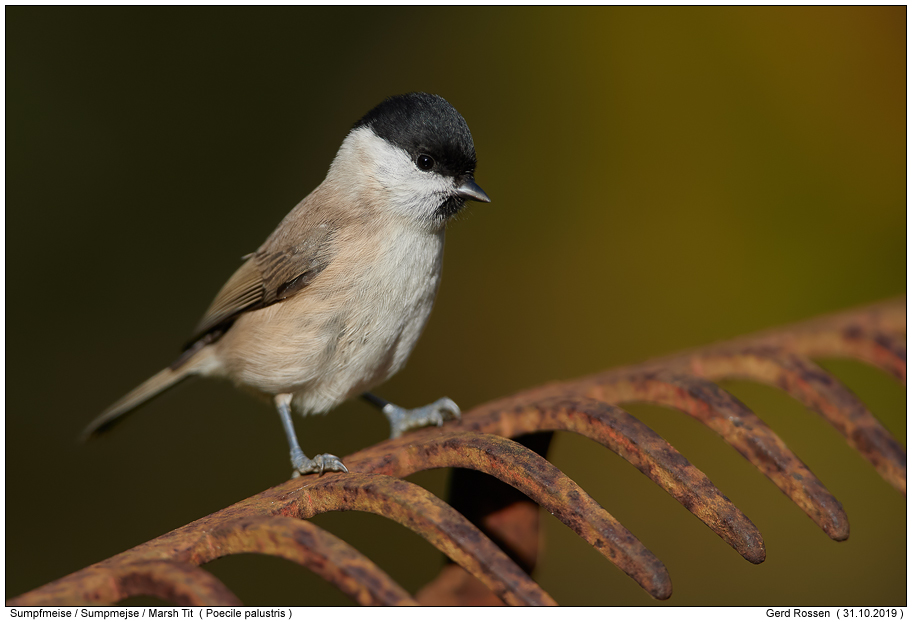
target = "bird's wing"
x: 268, y: 276
x: 243, y: 291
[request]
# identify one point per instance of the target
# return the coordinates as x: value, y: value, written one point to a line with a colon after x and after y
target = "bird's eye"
x: 425, y: 162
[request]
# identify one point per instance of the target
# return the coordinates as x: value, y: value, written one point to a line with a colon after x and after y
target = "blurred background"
x: 662, y: 178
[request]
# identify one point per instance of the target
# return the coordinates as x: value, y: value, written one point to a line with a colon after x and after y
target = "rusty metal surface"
x: 310, y: 546
x: 636, y: 443
x: 176, y: 582
x: 506, y: 508
x: 398, y: 500
x: 819, y: 391
x: 739, y: 427
x: 425, y: 514
x: 528, y: 472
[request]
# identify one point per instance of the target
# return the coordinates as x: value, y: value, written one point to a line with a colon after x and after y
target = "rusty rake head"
x: 499, y: 511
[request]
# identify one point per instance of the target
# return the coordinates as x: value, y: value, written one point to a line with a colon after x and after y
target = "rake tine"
x: 435, y: 521
x: 306, y: 544
x: 635, y: 442
x: 176, y: 582
x: 883, y: 350
x: 723, y: 413
x: 541, y: 481
x: 820, y: 392
x: 887, y: 352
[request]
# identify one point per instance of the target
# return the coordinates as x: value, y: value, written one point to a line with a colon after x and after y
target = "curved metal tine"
x: 306, y: 544
x: 541, y: 481
x: 635, y: 442
x: 820, y: 392
x: 883, y: 350
x: 723, y: 413
x: 435, y: 521
x: 175, y: 582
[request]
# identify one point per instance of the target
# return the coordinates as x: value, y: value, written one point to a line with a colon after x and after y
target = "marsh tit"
x: 334, y: 300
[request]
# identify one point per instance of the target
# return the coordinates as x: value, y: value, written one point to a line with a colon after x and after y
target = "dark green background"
x: 662, y: 178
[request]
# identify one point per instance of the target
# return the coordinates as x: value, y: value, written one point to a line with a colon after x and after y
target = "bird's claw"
x: 320, y: 463
x: 403, y: 420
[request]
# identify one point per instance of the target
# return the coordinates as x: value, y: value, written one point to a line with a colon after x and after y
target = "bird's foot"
x: 402, y: 420
x: 320, y: 463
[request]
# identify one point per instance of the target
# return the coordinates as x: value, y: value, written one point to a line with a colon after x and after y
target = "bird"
x: 333, y: 302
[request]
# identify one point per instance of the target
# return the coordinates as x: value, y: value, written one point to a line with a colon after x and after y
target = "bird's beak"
x: 472, y: 191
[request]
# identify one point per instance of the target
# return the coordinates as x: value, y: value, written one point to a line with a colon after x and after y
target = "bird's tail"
x: 183, y: 368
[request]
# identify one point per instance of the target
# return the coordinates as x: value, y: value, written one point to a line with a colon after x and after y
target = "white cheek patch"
x: 408, y: 191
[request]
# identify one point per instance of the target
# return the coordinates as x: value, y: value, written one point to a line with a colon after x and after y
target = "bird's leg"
x: 301, y: 463
x: 402, y: 420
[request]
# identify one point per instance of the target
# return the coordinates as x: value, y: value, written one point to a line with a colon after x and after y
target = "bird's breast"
x: 350, y: 329
x: 395, y: 293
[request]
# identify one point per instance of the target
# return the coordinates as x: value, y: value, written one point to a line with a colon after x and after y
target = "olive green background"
x: 661, y: 178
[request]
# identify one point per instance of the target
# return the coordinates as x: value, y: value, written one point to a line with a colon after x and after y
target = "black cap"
x: 420, y: 123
